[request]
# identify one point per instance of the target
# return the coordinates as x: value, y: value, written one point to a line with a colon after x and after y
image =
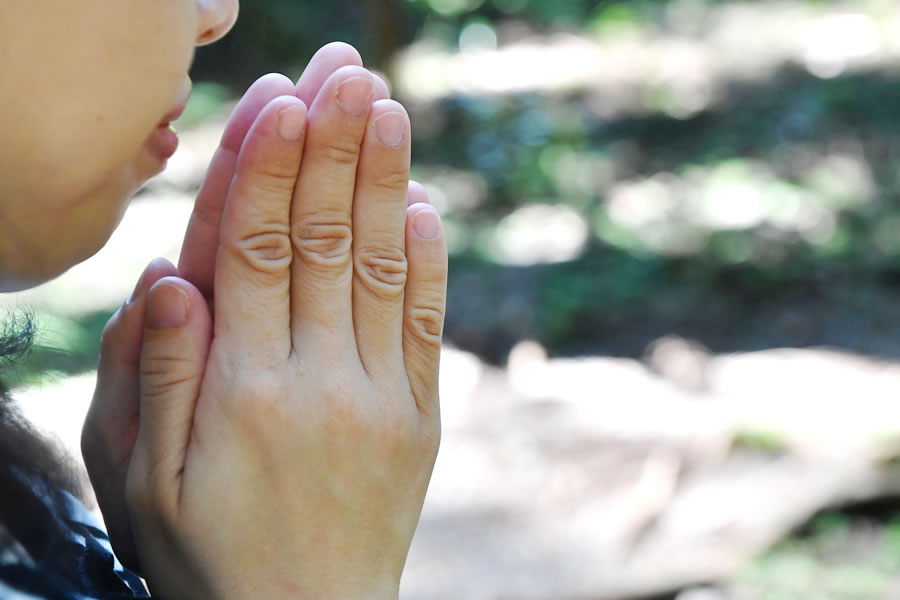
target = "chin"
x: 55, y: 251
x: 14, y: 283
x: 34, y: 273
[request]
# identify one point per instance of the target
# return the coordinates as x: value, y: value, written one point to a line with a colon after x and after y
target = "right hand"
x: 111, y: 425
x: 290, y: 457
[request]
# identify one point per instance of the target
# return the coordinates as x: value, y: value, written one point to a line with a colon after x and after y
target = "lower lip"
x: 163, y: 143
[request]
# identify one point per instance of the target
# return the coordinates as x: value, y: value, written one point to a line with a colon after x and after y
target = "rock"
x: 683, y: 362
x: 597, y: 478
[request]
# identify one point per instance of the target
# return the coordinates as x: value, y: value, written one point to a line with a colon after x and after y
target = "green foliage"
x: 544, y: 12
x: 795, y: 144
x: 61, y: 347
x: 841, y: 558
x: 788, y: 146
x: 206, y: 99
x: 281, y: 35
x: 760, y: 440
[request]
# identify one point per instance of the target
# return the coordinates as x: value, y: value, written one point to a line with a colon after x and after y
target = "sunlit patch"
x: 678, y: 214
x: 834, y: 42
x: 679, y: 70
x: 539, y: 234
x: 478, y: 35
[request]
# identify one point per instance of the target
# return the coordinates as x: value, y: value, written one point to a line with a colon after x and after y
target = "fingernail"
x: 292, y: 123
x: 167, y: 307
x: 355, y: 95
x: 391, y: 129
x: 427, y: 224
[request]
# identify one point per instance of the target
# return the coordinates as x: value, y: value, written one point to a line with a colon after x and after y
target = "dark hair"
x: 22, y: 449
x: 16, y: 339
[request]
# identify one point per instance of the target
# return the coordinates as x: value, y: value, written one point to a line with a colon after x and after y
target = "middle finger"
x: 321, y: 221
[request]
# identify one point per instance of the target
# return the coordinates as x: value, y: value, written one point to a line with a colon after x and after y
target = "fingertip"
x: 390, y: 122
x: 276, y: 83
x: 339, y: 52
x: 416, y: 194
x: 426, y: 243
x: 245, y: 113
x: 326, y: 61
x: 424, y: 303
x: 282, y: 106
x: 120, y: 341
x: 382, y: 88
x: 271, y: 80
x: 413, y: 210
x: 426, y: 223
x: 168, y: 305
x: 158, y: 268
x: 283, y: 117
x: 174, y: 351
x: 292, y: 121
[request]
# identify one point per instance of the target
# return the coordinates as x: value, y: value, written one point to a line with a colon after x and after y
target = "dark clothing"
x: 60, y: 552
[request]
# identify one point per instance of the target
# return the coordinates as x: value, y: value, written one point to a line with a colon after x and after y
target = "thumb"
x: 177, y: 333
x: 111, y: 425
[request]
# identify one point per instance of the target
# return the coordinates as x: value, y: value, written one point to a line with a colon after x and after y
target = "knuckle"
x: 265, y: 251
x: 426, y: 323
x: 323, y: 244
x: 161, y: 374
x: 392, y: 178
x: 347, y: 419
x: 256, y: 389
x: 400, y: 432
x: 383, y: 271
x: 338, y: 395
x: 341, y: 151
x: 259, y: 404
x: 345, y: 412
x: 207, y: 213
x: 274, y: 179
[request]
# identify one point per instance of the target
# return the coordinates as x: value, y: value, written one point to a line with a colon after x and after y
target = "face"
x: 87, y: 87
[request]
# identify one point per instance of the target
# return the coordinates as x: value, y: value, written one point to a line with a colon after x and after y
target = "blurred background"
x: 674, y: 310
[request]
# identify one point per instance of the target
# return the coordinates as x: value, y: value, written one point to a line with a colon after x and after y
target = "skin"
x: 52, y: 109
x: 301, y: 424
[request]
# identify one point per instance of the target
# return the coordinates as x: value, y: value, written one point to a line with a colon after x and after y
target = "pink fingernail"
x: 427, y: 224
x: 168, y: 307
x: 355, y: 95
x: 391, y: 129
x: 292, y: 123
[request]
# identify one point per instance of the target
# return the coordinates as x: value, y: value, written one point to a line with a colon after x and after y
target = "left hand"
x: 111, y: 426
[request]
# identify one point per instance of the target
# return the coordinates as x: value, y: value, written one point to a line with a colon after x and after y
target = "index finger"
x: 198, y: 253
x: 326, y: 61
x: 197, y: 262
x: 252, y: 301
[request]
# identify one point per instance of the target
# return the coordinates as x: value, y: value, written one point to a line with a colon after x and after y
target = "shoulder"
x: 63, y: 554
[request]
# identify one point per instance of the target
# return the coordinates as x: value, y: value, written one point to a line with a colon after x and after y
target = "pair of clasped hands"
x: 266, y: 417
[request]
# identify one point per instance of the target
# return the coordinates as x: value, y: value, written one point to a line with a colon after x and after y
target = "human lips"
x: 180, y: 104
x: 163, y: 142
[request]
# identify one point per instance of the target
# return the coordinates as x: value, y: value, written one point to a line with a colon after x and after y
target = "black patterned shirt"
x: 67, y: 556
